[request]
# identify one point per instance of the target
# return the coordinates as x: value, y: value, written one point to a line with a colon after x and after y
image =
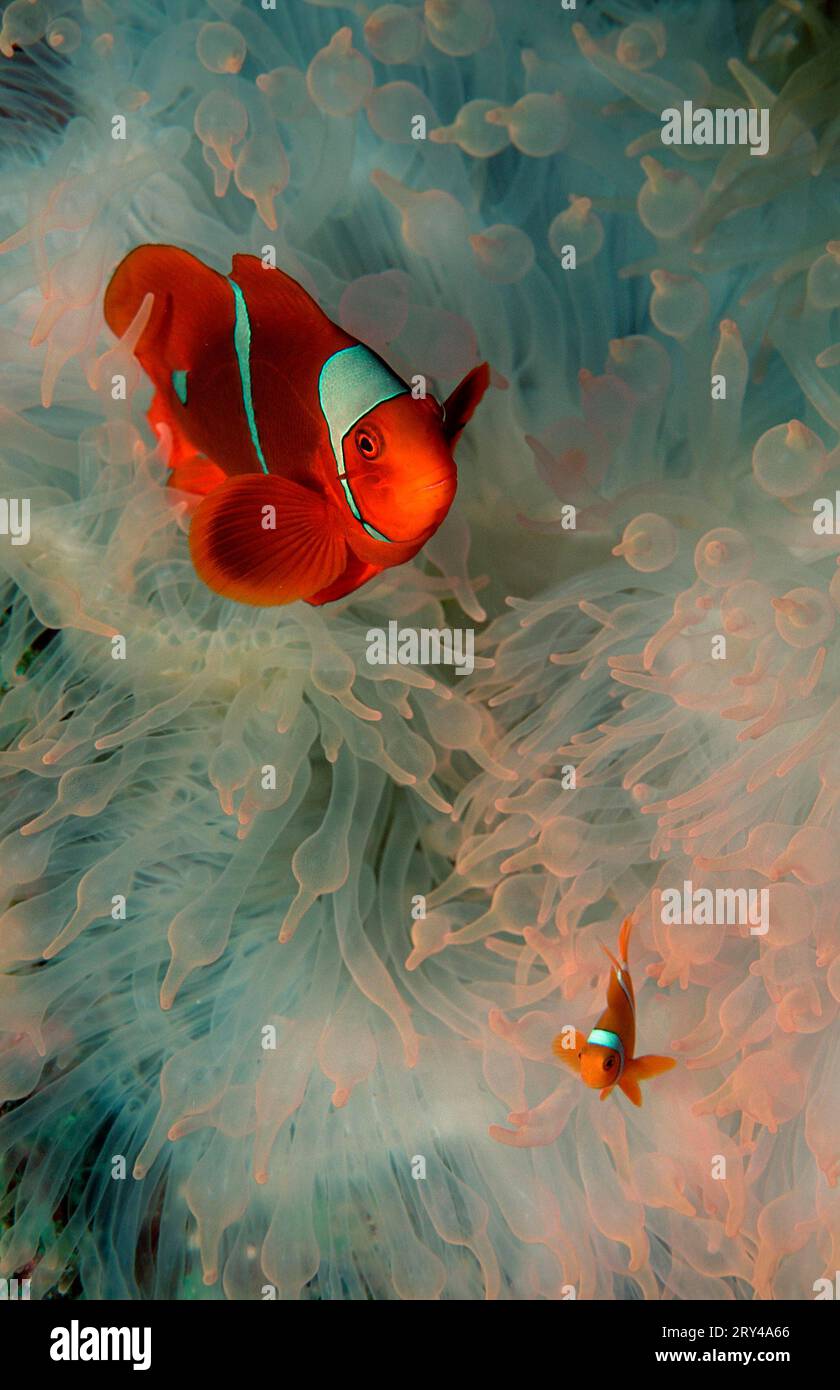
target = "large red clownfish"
x: 317, y: 466
x: 605, y: 1058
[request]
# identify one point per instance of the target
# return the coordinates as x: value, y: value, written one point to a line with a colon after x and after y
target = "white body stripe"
x: 602, y: 1037
x: 351, y: 383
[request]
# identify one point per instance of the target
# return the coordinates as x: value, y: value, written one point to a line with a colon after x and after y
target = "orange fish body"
x: 605, y: 1058
x: 317, y: 467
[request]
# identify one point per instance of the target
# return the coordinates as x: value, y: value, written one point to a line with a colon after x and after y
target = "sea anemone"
x: 285, y: 936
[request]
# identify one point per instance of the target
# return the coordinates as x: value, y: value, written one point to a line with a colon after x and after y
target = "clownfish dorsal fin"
x: 281, y: 341
x: 271, y: 293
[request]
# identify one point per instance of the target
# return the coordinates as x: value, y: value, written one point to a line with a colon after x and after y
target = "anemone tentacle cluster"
x: 285, y: 936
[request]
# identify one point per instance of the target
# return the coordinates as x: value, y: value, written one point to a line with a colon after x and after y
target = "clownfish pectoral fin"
x: 569, y: 1055
x: 355, y: 573
x: 630, y: 1086
x: 264, y: 540
x: 460, y: 406
x: 643, y: 1068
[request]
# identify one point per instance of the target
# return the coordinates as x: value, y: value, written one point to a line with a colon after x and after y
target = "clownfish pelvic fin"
x: 630, y: 1086
x: 642, y: 1069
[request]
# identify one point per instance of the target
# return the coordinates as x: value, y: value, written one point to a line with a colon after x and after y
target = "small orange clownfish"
x: 317, y: 466
x: 606, y: 1056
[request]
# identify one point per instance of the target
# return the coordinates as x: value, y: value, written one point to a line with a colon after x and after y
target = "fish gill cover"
x: 289, y: 925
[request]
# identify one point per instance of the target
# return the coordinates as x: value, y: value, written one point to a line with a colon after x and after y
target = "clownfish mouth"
x: 406, y: 515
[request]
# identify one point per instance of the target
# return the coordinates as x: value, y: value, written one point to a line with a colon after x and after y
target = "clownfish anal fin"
x: 630, y: 1086
x: 264, y: 540
x: 460, y: 406
x: 274, y: 295
x: 197, y: 475
x: 642, y: 1069
x: 178, y: 449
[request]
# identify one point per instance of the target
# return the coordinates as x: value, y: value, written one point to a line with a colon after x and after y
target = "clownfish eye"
x: 367, y: 443
x: 608, y: 1063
